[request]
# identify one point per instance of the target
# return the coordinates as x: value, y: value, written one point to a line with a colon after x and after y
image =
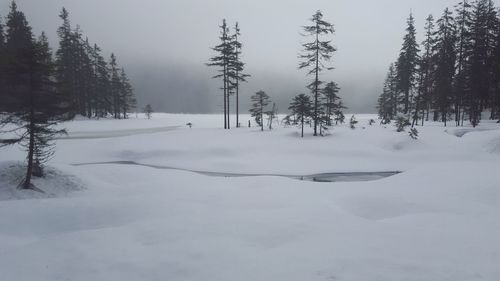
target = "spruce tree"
x: 460, y: 87
x: 260, y: 102
x: 445, y: 63
x: 387, y: 104
x: 34, y: 104
x: 425, y: 73
x: 406, y: 66
x: 302, y: 109
x: 115, y: 87
x: 331, y: 101
x: 222, y: 60
x: 314, y: 56
x: 236, y: 67
x: 127, y: 97
x: 480, y: 61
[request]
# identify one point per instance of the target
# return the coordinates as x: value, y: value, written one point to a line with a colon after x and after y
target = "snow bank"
x: 54, y: 184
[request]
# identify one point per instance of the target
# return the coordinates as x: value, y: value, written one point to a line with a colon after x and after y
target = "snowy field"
x: 437, y: 220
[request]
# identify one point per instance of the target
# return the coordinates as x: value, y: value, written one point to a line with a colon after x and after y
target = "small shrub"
x: 413, y: 133
x: 402, y: 123
x: 353, y: 122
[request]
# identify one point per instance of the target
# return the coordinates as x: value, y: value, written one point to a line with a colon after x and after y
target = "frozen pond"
x: 320, y: 177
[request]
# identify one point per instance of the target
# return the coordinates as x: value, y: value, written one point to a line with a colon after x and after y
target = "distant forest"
x: 453, y: 75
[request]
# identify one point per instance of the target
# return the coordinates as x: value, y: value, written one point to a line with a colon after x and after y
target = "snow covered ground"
x: 438, y: 220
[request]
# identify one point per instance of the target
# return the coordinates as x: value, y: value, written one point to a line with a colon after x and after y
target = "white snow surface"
x: 438, y: 220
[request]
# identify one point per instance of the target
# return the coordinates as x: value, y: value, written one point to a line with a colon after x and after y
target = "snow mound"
x: 54, y: 184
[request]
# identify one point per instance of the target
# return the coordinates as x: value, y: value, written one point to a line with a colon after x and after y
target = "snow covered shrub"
x: 413, y: 133
x: 401, y: 123
x: 353, y: 122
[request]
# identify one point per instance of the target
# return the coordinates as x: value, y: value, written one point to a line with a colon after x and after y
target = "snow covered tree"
x: 315, y: 54
x: 302, y: 109
x: 260, y: 102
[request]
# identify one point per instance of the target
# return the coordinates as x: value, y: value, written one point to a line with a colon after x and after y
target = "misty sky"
x: 163, y: 44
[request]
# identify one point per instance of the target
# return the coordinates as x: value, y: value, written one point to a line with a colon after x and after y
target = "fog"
x: 164, y: 44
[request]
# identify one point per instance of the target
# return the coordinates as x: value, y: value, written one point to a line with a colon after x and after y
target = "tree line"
x: 320, y: 108
x: 453, y: 75
x: 38, y: 90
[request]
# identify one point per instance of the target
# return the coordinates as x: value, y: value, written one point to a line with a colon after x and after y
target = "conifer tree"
x: 460, y: 87
x: 302, y: 109
x: 314, y: 56
x: 445, y: 63
x: 127, y: 97
x: 332, y: 102
x: 406, y: 67
x: 236, y: 69
x: 480, y: 61
x: 425, y: 74
x: 260, y: 102
x: 222, y: 60
x: 115, y: 87
x: 34, y: 104
x: 388, y: 101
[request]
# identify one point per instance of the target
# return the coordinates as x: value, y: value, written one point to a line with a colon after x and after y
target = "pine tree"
x: 127, y: 97
x: 260, y: 102
x: 406, y: 67
x: 425, y: 73
x: 115, y: 87
x: 302, y: 109
x: 332, y: 102
x: 480, y: 61
x: 222, y: 60
x: 314, y: 55
x: 236, y: 67
x: 34, y: 103
x: 102, y: 84
x: 463, y: 21
x: 445, y: 63
x: 388, y: 101
x: 496, y: 75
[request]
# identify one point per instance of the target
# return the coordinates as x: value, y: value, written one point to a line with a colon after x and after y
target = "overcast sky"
x: 163, y: 44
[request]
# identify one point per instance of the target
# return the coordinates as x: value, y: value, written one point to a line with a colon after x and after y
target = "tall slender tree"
x: 314, y: 56
x: 425, y: 74
x: 236, y: 69
x: 445, y: 63
x: 406, y: 66
x: 463, y: 21
x: 222, y: 60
